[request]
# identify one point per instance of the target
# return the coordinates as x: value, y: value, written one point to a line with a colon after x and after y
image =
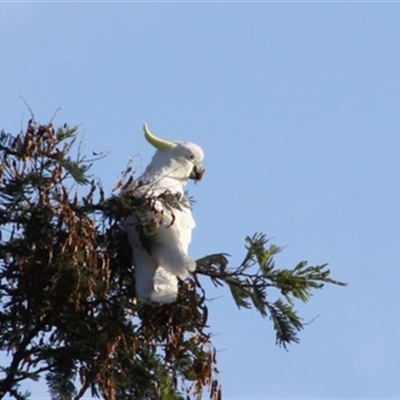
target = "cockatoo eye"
x: 191, y: 157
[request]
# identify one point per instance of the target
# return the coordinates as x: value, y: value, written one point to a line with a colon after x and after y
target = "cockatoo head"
x: 184, y: 158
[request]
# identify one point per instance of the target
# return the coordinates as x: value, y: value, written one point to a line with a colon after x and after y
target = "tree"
x: 68, y: 309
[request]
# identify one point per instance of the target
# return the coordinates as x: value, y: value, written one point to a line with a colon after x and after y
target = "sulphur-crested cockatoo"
x: 157, y: 270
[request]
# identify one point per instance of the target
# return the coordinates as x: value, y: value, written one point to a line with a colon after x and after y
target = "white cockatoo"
x: 157, y: 270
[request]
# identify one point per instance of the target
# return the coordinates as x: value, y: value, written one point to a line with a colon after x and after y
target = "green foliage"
x: 251, y: 283
x: 68, y: 309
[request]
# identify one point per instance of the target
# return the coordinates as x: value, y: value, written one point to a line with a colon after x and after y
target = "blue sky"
x: 297, y: 108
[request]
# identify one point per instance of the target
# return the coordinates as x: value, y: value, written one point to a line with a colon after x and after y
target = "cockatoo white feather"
x: 157, y: 271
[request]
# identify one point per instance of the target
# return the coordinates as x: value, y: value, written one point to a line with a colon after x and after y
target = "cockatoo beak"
x: 197, y: 172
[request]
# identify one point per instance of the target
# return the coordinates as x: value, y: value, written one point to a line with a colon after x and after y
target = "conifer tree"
x: 68, y: 310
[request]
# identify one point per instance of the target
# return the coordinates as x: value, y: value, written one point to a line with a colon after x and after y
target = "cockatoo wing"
x: 152, y: 281
x: 174, y: 236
